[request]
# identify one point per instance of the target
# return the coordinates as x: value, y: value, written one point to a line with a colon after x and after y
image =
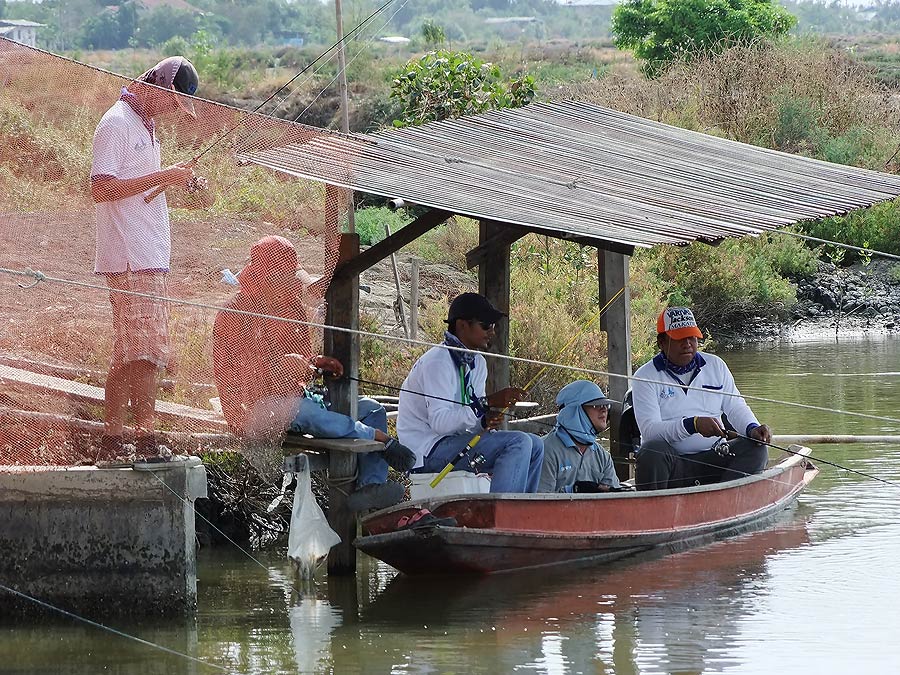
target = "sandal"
x: 423, y: 518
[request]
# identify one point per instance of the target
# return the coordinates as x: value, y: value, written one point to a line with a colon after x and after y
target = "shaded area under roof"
x: 582, y: 170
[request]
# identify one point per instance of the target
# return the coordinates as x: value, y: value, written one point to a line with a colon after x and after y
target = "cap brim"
x: 681, y: 333
x: 599, y: 401
x: 185, y: 103
x: 491, y: 316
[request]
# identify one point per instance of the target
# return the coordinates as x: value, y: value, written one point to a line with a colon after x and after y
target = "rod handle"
x: 153, y: 195
x: 437, y: 479
x: 447, y: 469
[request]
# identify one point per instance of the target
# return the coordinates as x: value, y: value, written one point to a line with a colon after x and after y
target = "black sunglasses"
x: 484, y: 324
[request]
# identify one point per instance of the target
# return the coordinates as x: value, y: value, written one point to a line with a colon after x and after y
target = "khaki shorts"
x: 140, y: 324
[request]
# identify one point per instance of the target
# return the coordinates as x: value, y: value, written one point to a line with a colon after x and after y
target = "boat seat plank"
x: 91, y: 394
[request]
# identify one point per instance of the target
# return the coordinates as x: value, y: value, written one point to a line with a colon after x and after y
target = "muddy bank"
x: 836, y: 301
x: 855, y: 300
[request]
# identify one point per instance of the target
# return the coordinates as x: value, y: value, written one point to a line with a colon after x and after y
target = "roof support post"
x: 616, y: 321
x: 493, y: 283
x: 343, y: 311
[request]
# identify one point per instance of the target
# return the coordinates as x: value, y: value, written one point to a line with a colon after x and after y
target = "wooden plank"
x: 493, y: 283
x: 343, y: 312
x: 86, y: 392
x: 616, y: 321
x: 363, y: 261
x: 294, y: 442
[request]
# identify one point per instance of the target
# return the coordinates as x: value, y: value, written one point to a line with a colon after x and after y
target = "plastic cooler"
x: 454, y: 483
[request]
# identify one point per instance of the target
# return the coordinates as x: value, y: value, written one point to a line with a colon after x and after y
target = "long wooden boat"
x: 505, y: 532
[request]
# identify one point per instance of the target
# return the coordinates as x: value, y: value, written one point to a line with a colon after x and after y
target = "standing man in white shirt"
x: 134, y: 244
x: 679, y: 398
x: 443, y: 405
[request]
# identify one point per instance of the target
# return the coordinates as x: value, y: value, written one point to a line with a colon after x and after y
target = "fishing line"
x: 817, y: 459
x: 110, y: 629
x: 349, y: 63
x: 38, y: 276
x: 347, y: 36
x: 229, y: 539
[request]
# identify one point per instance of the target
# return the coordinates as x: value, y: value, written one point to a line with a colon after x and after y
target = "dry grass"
x: 741, y: 93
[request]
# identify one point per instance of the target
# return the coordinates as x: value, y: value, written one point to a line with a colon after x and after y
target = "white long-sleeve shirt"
x: 423, y: 421
x: 661, y: 409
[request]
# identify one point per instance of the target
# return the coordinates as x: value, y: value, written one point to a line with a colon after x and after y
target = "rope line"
x: 839, y: 244
x: 40, y: 276
x: 110, y: 629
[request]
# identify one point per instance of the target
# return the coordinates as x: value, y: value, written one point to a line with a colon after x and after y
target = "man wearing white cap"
x: 133, y: 241
x: 679, y: 399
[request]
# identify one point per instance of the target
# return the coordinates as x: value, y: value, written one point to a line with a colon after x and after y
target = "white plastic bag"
x: 310, y: 536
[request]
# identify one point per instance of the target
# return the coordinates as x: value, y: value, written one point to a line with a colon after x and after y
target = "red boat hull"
x: 497, y: 533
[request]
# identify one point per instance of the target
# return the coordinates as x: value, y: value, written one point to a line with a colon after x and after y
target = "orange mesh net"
x: 113, y: 333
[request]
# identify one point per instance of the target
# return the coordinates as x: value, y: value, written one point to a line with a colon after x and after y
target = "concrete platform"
x: 100, y: 541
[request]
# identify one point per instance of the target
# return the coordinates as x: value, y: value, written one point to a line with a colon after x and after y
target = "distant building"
x: 20, y: 30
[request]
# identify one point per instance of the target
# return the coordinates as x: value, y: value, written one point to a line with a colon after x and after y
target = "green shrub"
x: 370, y: 223
x: 877, y: 227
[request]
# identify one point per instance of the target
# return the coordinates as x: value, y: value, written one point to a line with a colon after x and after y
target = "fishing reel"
x: 722, y: 448
x: 477, y: 461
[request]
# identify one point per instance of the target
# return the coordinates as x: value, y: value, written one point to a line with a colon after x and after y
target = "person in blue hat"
x: 573, y: 459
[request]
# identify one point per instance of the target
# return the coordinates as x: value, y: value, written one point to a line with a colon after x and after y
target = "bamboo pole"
x: 414, y: 300
x: 832, y: 438
x: 387, y: 229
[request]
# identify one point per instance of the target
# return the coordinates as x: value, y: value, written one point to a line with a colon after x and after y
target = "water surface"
x: 817, y: 592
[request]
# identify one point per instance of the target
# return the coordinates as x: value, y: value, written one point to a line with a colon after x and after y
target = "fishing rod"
x: 735, y: 434
x: 225, y: 134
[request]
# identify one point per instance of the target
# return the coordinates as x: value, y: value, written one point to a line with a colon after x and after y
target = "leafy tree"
x: 163, y: 23
x: 661, y: 31
x: 111, y: 28
x: 444, y: 84
x: 433, y: 34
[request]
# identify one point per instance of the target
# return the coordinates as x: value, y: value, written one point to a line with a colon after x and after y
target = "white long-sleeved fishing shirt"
x: 422, y: 420
x: 666, y: 410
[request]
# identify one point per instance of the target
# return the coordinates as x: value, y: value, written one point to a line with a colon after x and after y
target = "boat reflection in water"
x: 674, y: 613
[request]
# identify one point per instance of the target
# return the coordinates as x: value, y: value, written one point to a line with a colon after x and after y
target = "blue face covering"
x: 572, y: 419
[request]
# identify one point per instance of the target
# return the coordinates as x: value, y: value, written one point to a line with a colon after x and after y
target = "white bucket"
x: 454, y: 483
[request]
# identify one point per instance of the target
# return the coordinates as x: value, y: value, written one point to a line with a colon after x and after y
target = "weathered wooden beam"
x: 504, y: 236
x: 493, y: 283
x: 601, y: 244
x: 343, y: 312
x: 616, y: 321
x: 363, y: 261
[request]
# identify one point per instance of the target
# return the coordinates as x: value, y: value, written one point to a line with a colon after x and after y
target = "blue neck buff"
x: 466, y: 358
x: 573, y: 421
x: 689, y: 368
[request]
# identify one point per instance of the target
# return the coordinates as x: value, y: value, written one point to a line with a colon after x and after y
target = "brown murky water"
x: 817, y: 592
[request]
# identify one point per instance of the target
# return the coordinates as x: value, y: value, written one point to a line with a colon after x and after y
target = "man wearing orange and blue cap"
x: 680, y: 398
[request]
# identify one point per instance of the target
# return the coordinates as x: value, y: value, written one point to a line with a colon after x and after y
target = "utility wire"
x: 109, y: 629
x: 38, y: 277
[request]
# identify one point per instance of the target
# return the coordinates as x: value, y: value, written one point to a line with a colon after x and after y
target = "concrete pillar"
x: 101, y: 541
